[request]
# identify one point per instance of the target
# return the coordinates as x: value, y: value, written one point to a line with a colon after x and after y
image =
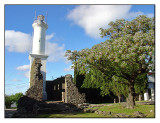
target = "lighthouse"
x: 38, y: 47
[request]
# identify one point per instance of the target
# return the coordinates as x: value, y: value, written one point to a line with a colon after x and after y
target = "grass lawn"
x: 116, y: 108
x: 74, y: 115
x: 146, y: 109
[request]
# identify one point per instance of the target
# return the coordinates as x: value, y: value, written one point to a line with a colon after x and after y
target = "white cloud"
x: 26, y: 74
x: 133, y: 15
x: 68, y: 69
x: 67, y: 61
x: 16, y: 41
x: 15, y: 80
x: 23, y: 68
x: 55, y: 52
x: 93, y: 17
x: 22, y: 42
x: 48, y: 37
x: 150, y: 15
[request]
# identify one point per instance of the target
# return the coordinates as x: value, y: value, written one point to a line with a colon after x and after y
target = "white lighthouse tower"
x: 38, y: 47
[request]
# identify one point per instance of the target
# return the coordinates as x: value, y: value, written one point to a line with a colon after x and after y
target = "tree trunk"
x: 131, y: 96
x: 75, y: 74
x: 119, y: 99
x: 114, y: 100
x: 140, y: 97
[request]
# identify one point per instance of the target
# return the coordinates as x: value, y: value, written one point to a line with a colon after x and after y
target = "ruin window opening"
x: 58, y: 86
x: 54, y: 88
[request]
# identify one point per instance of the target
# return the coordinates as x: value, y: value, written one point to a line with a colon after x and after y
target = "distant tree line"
x: 9, y: 100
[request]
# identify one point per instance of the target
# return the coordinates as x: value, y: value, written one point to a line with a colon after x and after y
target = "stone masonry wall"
x: 71, y: 92
x: 36, y: 81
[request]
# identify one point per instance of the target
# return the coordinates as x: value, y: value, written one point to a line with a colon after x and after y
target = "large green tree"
x: 141, y: 84
x: 123, y: 54
x: 118, y: 87
x: 73, y: 56
x: 96, y: 79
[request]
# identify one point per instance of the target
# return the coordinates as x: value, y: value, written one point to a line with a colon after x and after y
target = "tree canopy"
x: 127, y: 53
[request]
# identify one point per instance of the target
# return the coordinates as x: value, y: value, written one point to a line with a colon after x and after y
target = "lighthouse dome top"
x: 40, y: 17
x: 40, y: 21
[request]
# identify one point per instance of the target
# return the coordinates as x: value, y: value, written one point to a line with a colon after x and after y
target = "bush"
x: 9, y: 100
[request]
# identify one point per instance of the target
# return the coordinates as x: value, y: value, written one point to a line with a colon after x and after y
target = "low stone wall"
x: 72, y: 95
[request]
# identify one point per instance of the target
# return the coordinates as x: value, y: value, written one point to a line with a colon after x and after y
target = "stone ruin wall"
x: 72, y: 95
x: 36, y: 81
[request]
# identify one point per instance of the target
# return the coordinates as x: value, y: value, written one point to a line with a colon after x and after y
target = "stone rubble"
x: 138, y: 114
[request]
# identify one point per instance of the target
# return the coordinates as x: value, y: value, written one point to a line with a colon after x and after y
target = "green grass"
x: 116, y: 108
x: 75, y: 115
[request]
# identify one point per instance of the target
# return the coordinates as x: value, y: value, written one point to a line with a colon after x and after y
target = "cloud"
x: 23, y: 68
x: 48, y: 37
x: 68, y: 69
x: 93, y: 17
x: 26, y: 74
x: 55, y: 52
x: 150, y: 15
x: 16, y: 41
x: 16, y: 80
x: 133, y: 15
x: 67, y: 61
x: 20, y: 42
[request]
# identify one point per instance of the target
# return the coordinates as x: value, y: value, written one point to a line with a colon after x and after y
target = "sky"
x: 70, y: 27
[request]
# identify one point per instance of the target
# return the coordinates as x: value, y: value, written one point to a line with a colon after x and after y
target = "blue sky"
x: 73, y: 27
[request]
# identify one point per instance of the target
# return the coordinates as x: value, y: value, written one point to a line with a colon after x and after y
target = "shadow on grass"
x: 148, y: 110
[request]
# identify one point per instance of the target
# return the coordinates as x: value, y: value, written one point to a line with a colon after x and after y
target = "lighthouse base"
x: 44, y: 96
x: 42, y: 58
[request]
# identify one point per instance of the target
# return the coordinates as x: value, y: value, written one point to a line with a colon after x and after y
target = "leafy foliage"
x: 17, y: 96
x: 8, y: 101
x: 96, y: 79
x: 118, y: 86
x: 126, y: 55
x: 73, y: 56
x: 11, y: 99
x: 141, y: 83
